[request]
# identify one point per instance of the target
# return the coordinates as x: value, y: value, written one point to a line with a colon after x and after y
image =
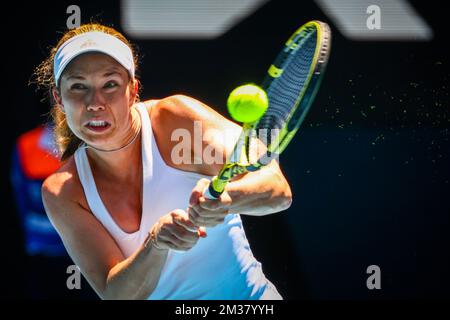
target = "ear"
x: 57, y: 98
x: 134, y: 91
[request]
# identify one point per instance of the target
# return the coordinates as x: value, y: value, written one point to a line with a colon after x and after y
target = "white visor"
x: 93, y: 41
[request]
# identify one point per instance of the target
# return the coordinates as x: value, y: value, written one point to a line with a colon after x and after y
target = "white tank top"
x: 220, y: 266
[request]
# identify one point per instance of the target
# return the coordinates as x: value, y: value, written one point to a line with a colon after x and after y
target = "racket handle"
x: 215, y: 188
x: 209, y: 193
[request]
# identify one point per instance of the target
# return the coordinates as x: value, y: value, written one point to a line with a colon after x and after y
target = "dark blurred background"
x: 369, y: 169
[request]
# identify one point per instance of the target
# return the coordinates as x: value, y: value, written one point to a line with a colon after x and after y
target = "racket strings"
x: 284, y: 91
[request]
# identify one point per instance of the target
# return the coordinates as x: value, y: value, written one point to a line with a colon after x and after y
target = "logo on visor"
x: 88, y: 43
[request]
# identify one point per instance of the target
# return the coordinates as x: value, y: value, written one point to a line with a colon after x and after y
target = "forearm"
x: 137, y: 276
x: 260, y: 193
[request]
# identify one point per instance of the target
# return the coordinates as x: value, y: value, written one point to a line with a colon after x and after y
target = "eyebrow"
x: 75, y: 77
x: 110, y: 73
x: 107, y: 74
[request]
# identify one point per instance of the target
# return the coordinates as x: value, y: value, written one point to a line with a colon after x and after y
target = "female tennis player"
x: 131, y: 217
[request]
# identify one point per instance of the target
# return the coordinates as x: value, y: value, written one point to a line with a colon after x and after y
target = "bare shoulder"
x: 181, y: 112
x: 63, y: 187
x: 185, y: 109
x: 149, y: 104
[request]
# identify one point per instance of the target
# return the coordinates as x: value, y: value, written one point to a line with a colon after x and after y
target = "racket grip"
x: 215, y: 188
x: 210, y: 194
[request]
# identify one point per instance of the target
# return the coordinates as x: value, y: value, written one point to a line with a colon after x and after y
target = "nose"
x: 95, y: 107
x: 96, y: 102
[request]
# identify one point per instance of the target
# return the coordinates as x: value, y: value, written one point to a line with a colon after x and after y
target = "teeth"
x: 97, y: 123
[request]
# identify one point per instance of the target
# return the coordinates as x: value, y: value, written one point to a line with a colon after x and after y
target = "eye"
x: 77, y: 86
x: 110, y: 84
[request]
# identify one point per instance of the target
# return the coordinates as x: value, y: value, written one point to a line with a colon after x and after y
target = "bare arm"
x: 255, y: 193
x: 96, y: 253
x: 260, y: 193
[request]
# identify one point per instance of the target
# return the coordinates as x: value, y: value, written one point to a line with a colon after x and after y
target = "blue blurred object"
x: 33, y: 160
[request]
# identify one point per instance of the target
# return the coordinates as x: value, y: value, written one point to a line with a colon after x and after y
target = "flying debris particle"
x: 372, y: 107
x: 411, y: 159
x: 365, y: 115
x: 379, y: 137
x: 341, y: 126
x: 413, y: 84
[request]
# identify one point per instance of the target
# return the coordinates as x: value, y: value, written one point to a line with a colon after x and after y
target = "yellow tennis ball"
x: 247, y: 103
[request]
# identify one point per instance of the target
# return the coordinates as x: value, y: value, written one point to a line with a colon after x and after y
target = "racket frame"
x: 238, y: 162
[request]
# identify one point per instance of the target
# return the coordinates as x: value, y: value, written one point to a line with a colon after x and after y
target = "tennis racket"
x: 291, y: 83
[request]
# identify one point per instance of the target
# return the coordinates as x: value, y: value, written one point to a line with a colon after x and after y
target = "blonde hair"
x: 65, y: 139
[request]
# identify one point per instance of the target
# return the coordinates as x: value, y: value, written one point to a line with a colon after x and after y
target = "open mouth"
x: 97, y: 125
